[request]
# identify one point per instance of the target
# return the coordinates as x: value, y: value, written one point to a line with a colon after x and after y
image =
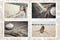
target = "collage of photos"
x: 28, y: 20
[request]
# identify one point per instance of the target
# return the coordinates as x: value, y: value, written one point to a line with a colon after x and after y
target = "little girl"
x: 21, y: 13
x: 42, y: 29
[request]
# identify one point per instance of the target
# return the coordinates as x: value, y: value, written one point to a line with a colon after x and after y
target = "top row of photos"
x: 39, y: 10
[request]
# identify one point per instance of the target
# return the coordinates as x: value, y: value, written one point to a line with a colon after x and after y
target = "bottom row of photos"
x: 39, y: 29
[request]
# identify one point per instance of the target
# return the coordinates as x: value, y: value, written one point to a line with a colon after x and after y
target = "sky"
x: 52, y: 21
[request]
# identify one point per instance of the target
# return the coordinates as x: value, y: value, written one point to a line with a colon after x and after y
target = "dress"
x: 21, y: 14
